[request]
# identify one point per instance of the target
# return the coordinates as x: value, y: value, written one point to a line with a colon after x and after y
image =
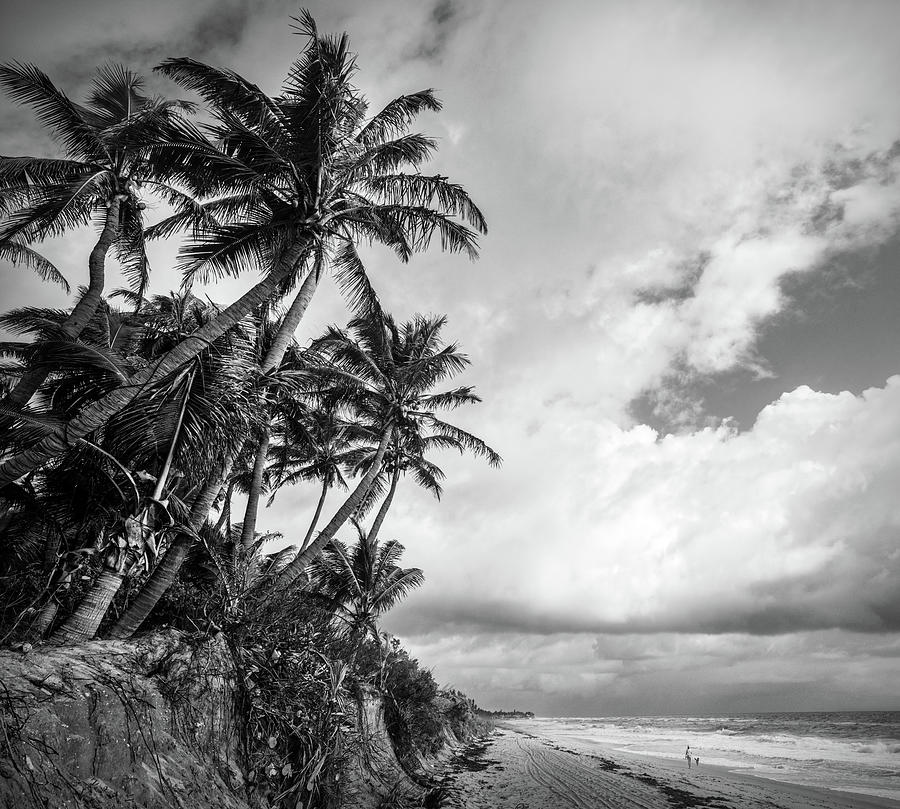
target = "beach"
x: 515, y: 769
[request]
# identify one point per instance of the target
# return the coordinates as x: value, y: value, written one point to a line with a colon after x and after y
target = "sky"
x: 683, y: 325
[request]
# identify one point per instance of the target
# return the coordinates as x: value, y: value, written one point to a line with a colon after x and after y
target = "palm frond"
x: 37, y: 320
x: 352, y: 279
x: 22, y: 172
x: 19, y: 254
x: 26, y: 84
x: 221, y: 88
x: 116, y: 91
x: 58, y: 208
x: 131, y: 247
x: 227, y: 249
x: 396, y: 116
x: 421, y: 191
x: 387, y: 156
x: 470, y: 442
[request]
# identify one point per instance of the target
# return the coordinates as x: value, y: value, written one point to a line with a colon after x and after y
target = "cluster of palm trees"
x: 128, y: 422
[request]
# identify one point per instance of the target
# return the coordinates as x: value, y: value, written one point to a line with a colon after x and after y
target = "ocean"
x: 849, y: 751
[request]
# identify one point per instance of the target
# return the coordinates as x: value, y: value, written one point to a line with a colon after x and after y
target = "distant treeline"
x: 514, y: 714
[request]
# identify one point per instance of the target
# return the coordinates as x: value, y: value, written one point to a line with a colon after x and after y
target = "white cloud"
x: 787, y: 526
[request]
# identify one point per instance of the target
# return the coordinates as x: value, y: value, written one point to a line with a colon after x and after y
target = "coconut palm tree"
x: 312, y: 444
x: 55, y: 520
x: 388, y: 374
x: 363, y: 581
x: 224, y: 477
x: 307, y: 196
x: 99, y: 180
x: 164, y: 435
x: 289, y: 177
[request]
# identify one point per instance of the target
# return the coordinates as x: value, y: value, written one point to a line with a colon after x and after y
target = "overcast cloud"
x: 673, y: 189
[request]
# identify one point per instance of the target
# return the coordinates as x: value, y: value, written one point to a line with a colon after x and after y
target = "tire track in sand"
x: 568, y: 778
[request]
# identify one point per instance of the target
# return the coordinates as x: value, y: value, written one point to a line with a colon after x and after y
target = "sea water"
x: 848, y: 751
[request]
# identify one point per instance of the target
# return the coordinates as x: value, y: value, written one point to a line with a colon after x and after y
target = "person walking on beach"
x: 687, y: 755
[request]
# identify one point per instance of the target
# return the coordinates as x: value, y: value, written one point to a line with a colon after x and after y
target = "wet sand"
x: 513, y: 769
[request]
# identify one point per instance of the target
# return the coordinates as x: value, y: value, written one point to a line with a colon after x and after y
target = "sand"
x: 513, y: 769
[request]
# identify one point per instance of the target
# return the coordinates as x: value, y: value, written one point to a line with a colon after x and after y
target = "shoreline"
x: 515, y: 769
x: 860, y: 800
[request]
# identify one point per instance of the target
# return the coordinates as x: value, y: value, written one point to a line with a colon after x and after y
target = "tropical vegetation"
x: 132, y: 425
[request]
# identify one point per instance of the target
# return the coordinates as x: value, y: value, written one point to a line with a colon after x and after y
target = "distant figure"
x: 696, y: 761
x: 687, y: 755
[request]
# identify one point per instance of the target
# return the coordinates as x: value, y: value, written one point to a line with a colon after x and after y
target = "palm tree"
x: 363, y: 582
x: 224, y: 477
x: 312, y: 444
x: 165, y: 573
x: 388, y: 374
x: 99, y: 179
x: 306, y: 193
x: 289, y: 177
x: 164, y: 434
x: 68, y: 505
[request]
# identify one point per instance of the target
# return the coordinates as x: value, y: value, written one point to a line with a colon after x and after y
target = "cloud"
x: 789, y: 526
x: 699, y: 312
x: 665, y: 673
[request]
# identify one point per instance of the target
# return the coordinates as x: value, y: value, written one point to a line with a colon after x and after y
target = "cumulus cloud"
x: 788, y: 526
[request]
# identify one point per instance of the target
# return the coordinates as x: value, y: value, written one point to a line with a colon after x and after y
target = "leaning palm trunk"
x: 82, y: 624
x: 100, y: 412
x: 291, y: 320
x: 124, y: 547
x: 272, y: 360
x: 83, y: 311
x: 151, y: 548
x: 226, y: 492
x: 44, y: 619
x: 297, y: 566
x: 139, y: 532
x: 382, y: 512
x: 315, y: 519
x: 166, y: 571
x: 248, y: 532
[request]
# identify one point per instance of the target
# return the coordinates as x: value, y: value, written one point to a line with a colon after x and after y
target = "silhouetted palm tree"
x: 164, y: 437
x: 297, y: 180
x: 100, y: 179
x: 312, y: 444
x: 363, y: 581
x: 388, y: 374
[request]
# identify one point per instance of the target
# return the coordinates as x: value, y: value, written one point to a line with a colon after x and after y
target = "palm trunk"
x: 83, y: 311
x: 82, y: 624
x: 296, y: 567
x: 272, y: 360
x: 382, y: 512
x: 291, y: 320
x: 315, y: 519
x: 151, y: 548
x: 100, y: 412
x: 166, y: 571
x: 163, y: 478
x: 44, y: 619
x: 225, y: 515
x: 248, y: 533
